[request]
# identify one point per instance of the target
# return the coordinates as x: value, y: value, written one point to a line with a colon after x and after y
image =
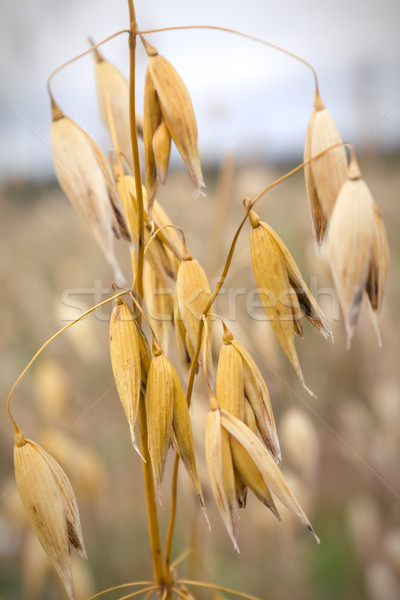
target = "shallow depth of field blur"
x: 340, y: 450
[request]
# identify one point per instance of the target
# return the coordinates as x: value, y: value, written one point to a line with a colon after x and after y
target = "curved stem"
x: 241, y: 34
x: 80, y: 56
x: 120, y: 587
x: 219, y: 588
x: 53, y: 337
x: 168, y: 543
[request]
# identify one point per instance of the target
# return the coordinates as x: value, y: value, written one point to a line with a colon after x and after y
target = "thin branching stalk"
x: 241, y: 34
x: 120, y: 587
x: 218, y: 588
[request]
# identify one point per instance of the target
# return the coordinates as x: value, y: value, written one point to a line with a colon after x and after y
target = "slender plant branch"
x: 219, y: 588
x: 241, y: 34
x: 168, y: 543
x: 143, y: 591
x: 93, y: 48
x: 53, y: 337
x: 120, y: 587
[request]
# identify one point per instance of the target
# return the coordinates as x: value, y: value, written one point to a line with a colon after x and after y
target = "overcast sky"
x: 246, y: 97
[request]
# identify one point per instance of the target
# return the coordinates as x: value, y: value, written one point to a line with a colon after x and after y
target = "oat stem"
x: 170, y: 533
x: 119, y: 587
x: 152, y: 515
x: 219, y: 588
x: 53, y: 337
x: 241, y: 34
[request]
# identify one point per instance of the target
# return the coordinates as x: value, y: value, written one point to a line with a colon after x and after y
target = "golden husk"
x: 325, y: 175
x: 159, y: 303
x: 162, y: 150
x: 350, y: 247
x: 229, y: 384
x: 126, y: 363
x: 159, y: 408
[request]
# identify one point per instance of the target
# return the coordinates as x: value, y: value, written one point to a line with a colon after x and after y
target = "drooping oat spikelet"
x: 221, y: 473
x: 162, y: 150
x: 193, y: 293
x: 325, y: 175
x: 126, y: 363
x: 173, y: 100
x: 283, y: 291
x: 350, y: 244
x: 182, y: 433
x: 49, y: 500
x: 159, y: 303
x: 378, y: 270
x: 84, y: 176
x: 229, y: 384
x: 265, y: 465
x: 180, y: 336
x: 159, y: 408
x: 112, y: 84
x: 152, y: 118
x: 259, y: 402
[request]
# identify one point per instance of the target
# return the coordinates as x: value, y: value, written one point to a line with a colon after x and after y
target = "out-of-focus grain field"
x: 340, y: 450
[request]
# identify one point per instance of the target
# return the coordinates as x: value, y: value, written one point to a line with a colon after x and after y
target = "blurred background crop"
x: 341, y: 450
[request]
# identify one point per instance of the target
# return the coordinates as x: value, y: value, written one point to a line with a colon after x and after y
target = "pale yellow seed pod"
x: 266, y: 466
x: 275, y: 290
x: 51, y: 506
x: 162, y: 150
x: 112, y: 84
x: 159, y: 303
x: 221, y: 473
x: 378, y: 270
x: 350, y: 245
x: 152, y: 118
x: 193, y: 293
x: 84, y: 177
x: 125, y: 361
x: 256, y: 392
x: 229, y: 384
x: 159, y: 409
x: 325, y: 175
x: 251, y: 476
x: 180, y: 336
x: 177, y: 111
x: 182, y: 433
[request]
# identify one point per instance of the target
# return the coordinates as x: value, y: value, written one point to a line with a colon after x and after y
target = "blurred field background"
x: 340, y: 451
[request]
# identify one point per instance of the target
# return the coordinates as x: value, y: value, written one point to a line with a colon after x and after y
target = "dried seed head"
x: 350, y: 244
x: 283, y: 291
x: 83, y: 174
x: 378, y: 270
x: 221, y: 473
x: 182, y: 433
x: 265, y: 465
x: 229, y: 385
x: 325, y: 175
x: 112, y: 84
x: 159, y: 408
x: 259, y: 403
x: 193, y: 293
x: 176, y: 109
x: 125, y: 361
x: 162, y: 150
x: 152, y: 119
x: 51, y: 506
x: 180, y: 336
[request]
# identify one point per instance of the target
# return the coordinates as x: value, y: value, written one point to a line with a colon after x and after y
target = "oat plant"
x: 117, y: 197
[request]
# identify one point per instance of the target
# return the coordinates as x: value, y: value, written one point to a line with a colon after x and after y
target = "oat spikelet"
x: 177, y: 111
x: 193, y: 293
x: 182, y: 433
x: 378, y: 270
x: 325, y: 175
x: 282, y: 290
x: 221, y: 473
x: 159, y: 408
x: 351, y: 244
x: 51, y: 505
x: 112, y: 83
x: 84, y: 176
x: 229, y: 384
x: 258, y: 408
x: 126, y: 363
x: 265, y: 465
